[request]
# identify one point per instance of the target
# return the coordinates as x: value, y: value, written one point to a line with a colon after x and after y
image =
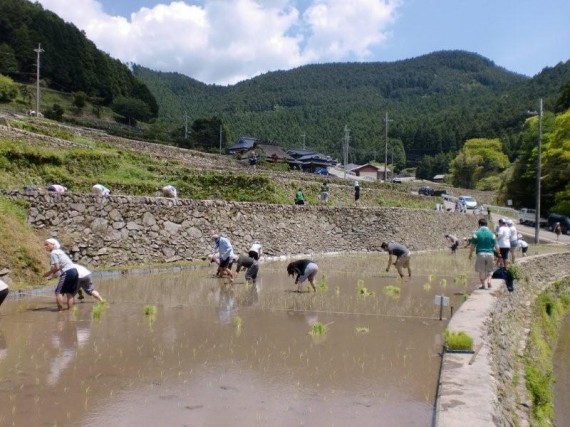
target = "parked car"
x: 528, y: 217
x: 468, y: 201
x: 564, y: 221
x: 426, y: 191
x: 322, y: 171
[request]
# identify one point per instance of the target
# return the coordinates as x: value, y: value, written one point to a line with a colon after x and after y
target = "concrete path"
x: 466, y: 395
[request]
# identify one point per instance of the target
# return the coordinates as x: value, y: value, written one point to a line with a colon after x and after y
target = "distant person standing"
x: 504, y: 242
x: 325, y: 192
x: 256, y: 250
x: 483, y: 243
x: 299, y: 197
x: 402, y: 255
x: 514, y: 237
x: 56, y: 188
x: 101, y: 190
x: 303, y: 269
x: 557, y: 230
x: 170, y: 191
x: 356, y: 193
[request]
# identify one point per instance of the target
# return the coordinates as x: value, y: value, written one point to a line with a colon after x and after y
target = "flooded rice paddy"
x: 213, y: 354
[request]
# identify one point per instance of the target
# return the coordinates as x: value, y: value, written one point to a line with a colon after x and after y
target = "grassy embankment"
x: 549, y: 311
x: 79, y: 159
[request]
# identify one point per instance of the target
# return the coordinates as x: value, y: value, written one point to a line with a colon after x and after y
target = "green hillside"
x: 436, y: 102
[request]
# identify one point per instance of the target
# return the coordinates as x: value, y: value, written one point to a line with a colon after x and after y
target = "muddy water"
x: 562, y: 374
x: 214, y: 354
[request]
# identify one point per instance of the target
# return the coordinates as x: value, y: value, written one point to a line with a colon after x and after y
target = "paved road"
x: 528, y: 232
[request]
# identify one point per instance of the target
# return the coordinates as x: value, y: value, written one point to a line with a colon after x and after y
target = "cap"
x: 215, y: 237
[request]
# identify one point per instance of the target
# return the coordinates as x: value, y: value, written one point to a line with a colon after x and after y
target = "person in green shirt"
x: 299, y: 197
x: 483, y: 243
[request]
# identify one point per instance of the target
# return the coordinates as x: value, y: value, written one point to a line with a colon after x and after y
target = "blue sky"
x: 227, y: 41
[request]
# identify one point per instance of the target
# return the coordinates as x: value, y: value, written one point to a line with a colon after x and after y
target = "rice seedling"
x: 427, y: 286
x: 323, y: 286
x: 238, y: 322
x: 149, y: 310
x: 461, y: 279
x: 431, y: 277
x: 362, y: 330
x: 98, y: 310
x: 363, y: 291
x: 337, y: 290
x: 392, y: 291
x: 458, y: 340
x: 443, y: 283
x: 318, y: 329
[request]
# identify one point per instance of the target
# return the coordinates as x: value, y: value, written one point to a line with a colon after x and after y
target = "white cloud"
x: 228, y: 41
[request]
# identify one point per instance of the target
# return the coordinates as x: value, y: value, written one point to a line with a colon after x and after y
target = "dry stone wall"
x: 127, y: 230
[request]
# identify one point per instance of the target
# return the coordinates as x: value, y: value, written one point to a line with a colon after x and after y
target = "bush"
x: 8, y: 89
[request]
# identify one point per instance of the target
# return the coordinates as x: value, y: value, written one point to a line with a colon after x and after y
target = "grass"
x: 458, y: 340
x: 549, y: 310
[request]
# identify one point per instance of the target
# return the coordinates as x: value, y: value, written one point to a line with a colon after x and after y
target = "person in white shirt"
x: 61, y: 264
x: 169, y: 191
x: 86, y: 284
x: 101, y: 190
x: 524, y: 246
x: 504, y: 242
x: 514, y: 238
x: 256, y: 250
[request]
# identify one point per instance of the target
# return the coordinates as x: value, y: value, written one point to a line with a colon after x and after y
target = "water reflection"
x: 64, y: 342
x: 191, y: 367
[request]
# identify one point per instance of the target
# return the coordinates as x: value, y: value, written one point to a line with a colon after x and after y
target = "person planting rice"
x: 62, y: 264
x: 226, y: 252
x: 86, y: 284
x: 402, y: 257
x: 250, y: 265
x: 304, y: 269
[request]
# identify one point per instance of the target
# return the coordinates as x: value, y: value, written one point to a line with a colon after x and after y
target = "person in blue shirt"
x: 226, y: 252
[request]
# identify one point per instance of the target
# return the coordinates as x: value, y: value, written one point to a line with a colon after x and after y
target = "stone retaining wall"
x: 127, y: 230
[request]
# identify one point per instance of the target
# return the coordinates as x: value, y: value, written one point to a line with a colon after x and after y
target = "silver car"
x: 468, y: 201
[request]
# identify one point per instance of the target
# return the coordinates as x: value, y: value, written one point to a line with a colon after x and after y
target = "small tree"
x: 55, y: 113
x: 8, y: 89
x: 79, y: 100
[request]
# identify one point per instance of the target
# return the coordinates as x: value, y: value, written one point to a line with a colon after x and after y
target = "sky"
x: 227, y: 41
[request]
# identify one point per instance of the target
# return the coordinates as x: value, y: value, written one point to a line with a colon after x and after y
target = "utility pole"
x: 39, y: 50
x: 303, y: 135
x: 386, y: 120
x: 538, y: 173
x: 346, y: 139
x: 185, y: 125
x: 221, y: 139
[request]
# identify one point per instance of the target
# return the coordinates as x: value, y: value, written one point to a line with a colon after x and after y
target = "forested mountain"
x: 69, y: 61
x: 434, y: 103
